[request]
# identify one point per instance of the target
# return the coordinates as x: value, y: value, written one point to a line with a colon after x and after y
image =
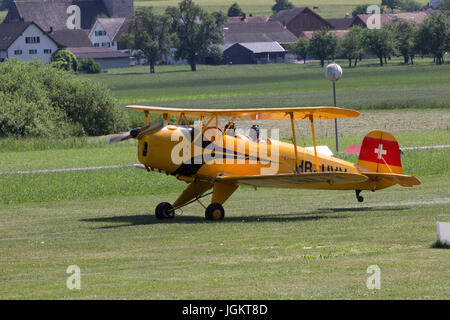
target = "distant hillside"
x: 327, y: 8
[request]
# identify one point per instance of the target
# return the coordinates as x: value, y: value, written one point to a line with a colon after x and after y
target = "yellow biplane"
x: 208, y: 157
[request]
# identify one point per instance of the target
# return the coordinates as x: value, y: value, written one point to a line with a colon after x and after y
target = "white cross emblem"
x: 380, y: 151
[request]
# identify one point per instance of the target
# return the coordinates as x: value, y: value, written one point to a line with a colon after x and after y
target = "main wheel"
x: 164, y: 210
x: 214, y: 211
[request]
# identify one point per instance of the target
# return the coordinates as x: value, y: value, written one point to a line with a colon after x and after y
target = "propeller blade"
x: 136, y: 133
x: 153, y: 128
x: 119, y: 138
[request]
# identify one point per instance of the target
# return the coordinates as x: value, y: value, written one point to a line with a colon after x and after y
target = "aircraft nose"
x: 134, y: 132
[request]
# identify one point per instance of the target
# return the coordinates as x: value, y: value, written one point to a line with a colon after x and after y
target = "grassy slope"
x: 327, y: 8
x: 367, y: 86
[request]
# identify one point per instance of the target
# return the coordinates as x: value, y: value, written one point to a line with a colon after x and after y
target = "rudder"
x: 380, y: 152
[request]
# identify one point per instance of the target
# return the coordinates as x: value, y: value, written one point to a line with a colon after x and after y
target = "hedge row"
x: 43, y: 101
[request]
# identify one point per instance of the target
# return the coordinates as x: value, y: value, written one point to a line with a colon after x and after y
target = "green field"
x: 291, y: 247
x: 327, y: 8
x: 273, y: 243
x: 395, y: 85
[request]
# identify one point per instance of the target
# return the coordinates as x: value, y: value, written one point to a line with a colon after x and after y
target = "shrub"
x: 234, y: 10
x: 410, y: 5
x: 64, y: 59
x: 215, y: 55
x: 42, y: 101
x: 89, y: 65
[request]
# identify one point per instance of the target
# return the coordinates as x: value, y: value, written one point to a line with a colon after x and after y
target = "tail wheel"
x: 214, y: 211
x: 358, y: 197
x: 164, y: 210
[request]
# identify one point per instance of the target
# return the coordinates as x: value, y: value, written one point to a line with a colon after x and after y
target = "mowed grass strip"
x: 422, y: 85
x: 107, y: 183
x: 291, y: 247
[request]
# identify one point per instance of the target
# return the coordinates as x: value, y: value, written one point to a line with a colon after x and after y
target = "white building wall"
x: 45, y: 43
x: 435, y: 3
x: 101, y: 41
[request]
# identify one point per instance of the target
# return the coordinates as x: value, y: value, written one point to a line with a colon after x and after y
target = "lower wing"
x: 295, y: 179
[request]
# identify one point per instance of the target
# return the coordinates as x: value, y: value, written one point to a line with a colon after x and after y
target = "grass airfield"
x: 273, y: 243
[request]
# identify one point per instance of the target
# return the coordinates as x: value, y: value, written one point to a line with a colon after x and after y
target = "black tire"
x: 215, y: 211
x: 162, y: 211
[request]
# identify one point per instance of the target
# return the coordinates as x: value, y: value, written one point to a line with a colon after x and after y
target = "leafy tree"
x: 433, y: 36
x: 282, y: 5
x: 300, y: 49
x: 194, y: 31
x: 351, y: 45
x: 214, y: 56
x: 234, y: 10
x: 404, y: 33
x: 4, y: 4
x: 444, y: 5
x: 64, y: 59
x: 391, y: 4
x: 410, y: 5
x: 323, y: 45
x: 150, y: 35
x: 379, y: 42
x: 361, y: 9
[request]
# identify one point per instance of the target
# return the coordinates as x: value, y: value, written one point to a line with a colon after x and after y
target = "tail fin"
x: 380, y: 153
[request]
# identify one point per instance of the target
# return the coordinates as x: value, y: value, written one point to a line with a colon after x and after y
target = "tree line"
x: 396, y: 38
x: 191, y: 31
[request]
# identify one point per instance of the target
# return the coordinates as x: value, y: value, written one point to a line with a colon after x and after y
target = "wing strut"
x: 147, y: 121
x: 291, y: 114
x: 311, y: 118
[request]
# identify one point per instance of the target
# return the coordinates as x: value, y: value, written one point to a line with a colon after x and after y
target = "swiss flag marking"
x: 380, y: 151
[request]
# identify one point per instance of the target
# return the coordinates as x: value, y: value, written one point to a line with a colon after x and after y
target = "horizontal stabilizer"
x: 405, y: 180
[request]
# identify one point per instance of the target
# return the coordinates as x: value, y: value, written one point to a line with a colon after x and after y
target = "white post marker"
x: 333, y: 72
x: 443, y: 230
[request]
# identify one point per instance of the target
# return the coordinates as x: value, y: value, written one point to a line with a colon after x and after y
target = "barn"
x: 254, y: 53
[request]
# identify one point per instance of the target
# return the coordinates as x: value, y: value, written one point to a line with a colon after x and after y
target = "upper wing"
x: 294, y: 179
x: 256, y: 113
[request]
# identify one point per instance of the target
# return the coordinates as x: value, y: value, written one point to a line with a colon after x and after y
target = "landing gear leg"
x: 358, y: 197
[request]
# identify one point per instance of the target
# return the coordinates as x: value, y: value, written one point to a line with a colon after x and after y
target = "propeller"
x: 118, y: 138
x: 138, y: 132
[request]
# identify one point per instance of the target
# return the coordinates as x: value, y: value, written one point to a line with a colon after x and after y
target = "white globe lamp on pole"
x: 333, y: 72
